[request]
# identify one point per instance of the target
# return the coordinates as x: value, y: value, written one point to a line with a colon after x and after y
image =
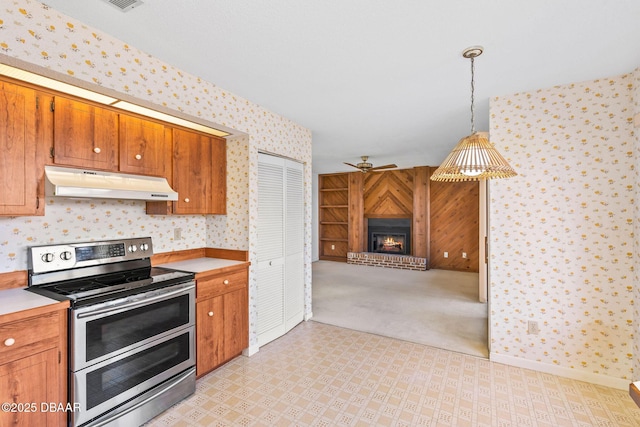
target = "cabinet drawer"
x: 211, y: 286
x: 32, y: 332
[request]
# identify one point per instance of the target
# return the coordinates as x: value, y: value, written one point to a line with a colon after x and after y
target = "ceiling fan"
x: 365, y: 166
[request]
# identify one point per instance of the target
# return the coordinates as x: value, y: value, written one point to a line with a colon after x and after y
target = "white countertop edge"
x: 199, y: 265
x: 19, y: 299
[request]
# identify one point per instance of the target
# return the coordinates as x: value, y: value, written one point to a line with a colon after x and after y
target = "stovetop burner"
x: 90, y: 290
x: 92, y: 272
x: 75, y: 287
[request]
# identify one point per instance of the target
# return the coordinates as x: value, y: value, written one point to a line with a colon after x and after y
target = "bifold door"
x: 280, y: 266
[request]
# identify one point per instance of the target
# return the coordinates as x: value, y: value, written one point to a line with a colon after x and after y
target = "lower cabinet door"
x: 236, y: 322
x: 209, y: 334
x: 29, y: 391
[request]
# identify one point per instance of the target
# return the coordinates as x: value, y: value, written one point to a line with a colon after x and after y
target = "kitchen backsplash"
x: 75, y: 220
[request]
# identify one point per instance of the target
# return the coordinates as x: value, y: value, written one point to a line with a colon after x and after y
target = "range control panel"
x: 48, y: 258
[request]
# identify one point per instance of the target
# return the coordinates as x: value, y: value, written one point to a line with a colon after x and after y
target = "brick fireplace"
x: 389, y: 235
x: 403, y: 262
x: 388, y: 244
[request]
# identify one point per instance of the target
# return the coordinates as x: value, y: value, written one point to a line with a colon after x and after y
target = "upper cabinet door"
x: 23, y: 127
x: 85, y: 135
x: 218, y: 176
x: 192, y: 172
x: 143, y: 147
x: 199, y: 173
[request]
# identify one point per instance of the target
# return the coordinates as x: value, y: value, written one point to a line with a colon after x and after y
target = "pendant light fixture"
x: 474, y: 158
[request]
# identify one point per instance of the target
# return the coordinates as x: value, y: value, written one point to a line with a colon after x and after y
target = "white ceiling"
x: 380, y: 78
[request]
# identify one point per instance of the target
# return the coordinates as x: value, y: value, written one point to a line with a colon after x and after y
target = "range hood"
x: 84, y: 183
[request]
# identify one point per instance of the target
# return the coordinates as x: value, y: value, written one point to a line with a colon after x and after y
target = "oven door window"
x: 126, y: 374
x: 112, y: 333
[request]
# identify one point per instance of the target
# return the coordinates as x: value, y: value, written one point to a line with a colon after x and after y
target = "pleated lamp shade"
x: 473, y: 159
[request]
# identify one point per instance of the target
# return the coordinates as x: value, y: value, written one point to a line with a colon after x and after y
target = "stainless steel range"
x: 131, y: 328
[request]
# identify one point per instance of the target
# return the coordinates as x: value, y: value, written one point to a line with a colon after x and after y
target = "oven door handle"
x: 135, y: 304
x: 117, y: 414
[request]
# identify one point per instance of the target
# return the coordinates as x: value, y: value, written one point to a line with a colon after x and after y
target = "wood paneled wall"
x: 388, y: 194
x: 421, y: 208
x: 445, y: 216
x: 402, y: 193
x: 454, y: 211
x: 356, y: 213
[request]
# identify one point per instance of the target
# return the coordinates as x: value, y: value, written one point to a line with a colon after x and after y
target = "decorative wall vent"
x: 124, y: 5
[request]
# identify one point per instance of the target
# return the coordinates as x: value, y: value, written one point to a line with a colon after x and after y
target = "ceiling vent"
x: 124, y: 5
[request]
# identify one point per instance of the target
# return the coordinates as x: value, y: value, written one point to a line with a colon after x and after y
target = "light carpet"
x: 438, y: 308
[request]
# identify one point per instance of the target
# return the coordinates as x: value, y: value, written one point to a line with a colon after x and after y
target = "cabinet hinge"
x: 53, y: 106
x: 51, y: 152
x: 59, y: 356
x: 37, y: 202
x: 37, y: 102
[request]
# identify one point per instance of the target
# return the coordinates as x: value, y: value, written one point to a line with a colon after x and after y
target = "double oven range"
x: 131, y: 328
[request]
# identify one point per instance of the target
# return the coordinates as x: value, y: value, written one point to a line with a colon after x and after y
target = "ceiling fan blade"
x: 351, y: 164
x: 391, y: 166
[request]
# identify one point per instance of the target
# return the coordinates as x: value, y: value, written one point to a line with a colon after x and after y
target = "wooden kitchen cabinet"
x: 199, y: 175
x: 222, y: 316
x: 144, y: 149
x: 25, y: 130
x: 85, y: 135
x: 33, y: 367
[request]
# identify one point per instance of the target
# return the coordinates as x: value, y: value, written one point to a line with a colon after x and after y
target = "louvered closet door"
x: 280, y: 272
x: 294, y: 245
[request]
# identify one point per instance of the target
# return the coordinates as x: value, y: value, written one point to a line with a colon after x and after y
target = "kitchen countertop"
x: 199, y: 265
x: 18, y: 299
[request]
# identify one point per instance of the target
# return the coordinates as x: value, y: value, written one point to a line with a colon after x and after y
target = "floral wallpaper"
x: 36, y: 37
x: 562, y: 231
x: 636, y: 225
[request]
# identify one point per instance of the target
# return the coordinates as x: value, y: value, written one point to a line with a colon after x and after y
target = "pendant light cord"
x: 473, y: 127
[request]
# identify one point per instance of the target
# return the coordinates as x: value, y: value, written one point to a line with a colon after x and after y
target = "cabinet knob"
x: 186, y: 200
x: 226, y: 281
x: 138, y: 157
x: 96, y: 150
x: 9, y: 342
x: 210, y: 314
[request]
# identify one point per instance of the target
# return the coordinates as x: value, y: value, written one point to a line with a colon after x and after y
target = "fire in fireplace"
x: 389, y: 235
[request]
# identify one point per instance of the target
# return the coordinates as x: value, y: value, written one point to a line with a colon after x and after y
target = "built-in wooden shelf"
x: 334, y: 216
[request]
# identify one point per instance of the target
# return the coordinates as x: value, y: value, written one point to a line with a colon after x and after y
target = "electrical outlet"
x: 533, y: 328
x: 464, y: 255
x: 333, y: 247
x: 177, y: 234
x: 446, y: 254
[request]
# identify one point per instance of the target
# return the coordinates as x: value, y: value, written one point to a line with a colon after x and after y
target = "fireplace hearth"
x: 389, y: 235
